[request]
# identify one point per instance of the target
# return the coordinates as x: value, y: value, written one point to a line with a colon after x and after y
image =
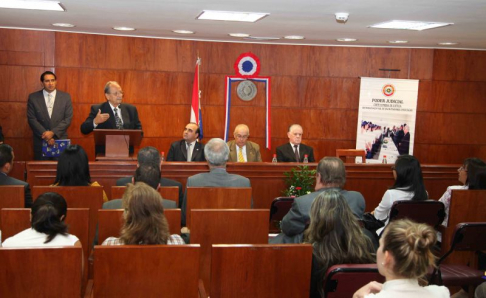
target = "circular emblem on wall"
x: 246, y: 90
x: 388, y: 90
x: 247, y: 65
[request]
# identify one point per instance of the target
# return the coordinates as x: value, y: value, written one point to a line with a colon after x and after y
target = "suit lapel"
x: 292, y: 152
x: 184, y: 149
x: 125, y: 116
x: 106, y: 108
x: 43, y: 107
x: 195, y: 152
x: 233, y: 151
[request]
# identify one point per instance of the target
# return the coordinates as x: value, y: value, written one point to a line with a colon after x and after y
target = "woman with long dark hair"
x: 403, y: 258
x: 469, y: 175
x: 47, y: 224
x: 145, y: 222
x: 409, y: 185
x: 73, y: 169
x: 336, y: 236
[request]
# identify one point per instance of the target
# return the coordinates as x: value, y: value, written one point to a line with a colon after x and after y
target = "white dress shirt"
x: 50, y: 104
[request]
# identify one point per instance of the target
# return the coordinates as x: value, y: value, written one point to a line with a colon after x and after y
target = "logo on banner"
x: 247, y: 65
x: 388, y: 90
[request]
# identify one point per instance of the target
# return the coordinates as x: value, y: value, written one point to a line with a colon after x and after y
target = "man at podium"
x: 111, y: 114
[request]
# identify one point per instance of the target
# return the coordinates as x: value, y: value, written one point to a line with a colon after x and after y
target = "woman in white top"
x: 409, y: 185
x: 145, y: 222
x: 48, y: 228
x: 403, y: 258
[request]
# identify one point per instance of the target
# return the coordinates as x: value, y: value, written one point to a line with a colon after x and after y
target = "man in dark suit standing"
x: 187, y: 149
x: 49, y: 113
x: 6, y: 164
x: 404, y: 145
x: 149, y: 156
x: 295, y: 151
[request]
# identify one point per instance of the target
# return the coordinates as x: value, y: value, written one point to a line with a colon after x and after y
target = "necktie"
x: 49, y: 104
x: 118, y: 121
x: 240, y: 155
x: 189, y: 155
x: 297, y: 157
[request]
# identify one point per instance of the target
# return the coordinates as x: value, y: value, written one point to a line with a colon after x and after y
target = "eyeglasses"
x: 242, y: 137
x: 118, y: 93
x: 462, y: 168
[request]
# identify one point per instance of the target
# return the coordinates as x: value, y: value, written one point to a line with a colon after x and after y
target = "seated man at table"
x: 187, y: 149
x: 242, y: 150
x: 331, y: 174
x: 150, y: 156
x: 294, y: 150
x: 6, y: 164
x: 216, y: 152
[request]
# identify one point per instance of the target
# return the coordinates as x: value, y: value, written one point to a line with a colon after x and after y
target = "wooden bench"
x: 40, y: 272
x: 265, y: 270
x: 216, y: 198
x: 111, y: 222
x: 167, y: 193
x: 146, y: 271
x: 11, y: 197
x: 228, y: 226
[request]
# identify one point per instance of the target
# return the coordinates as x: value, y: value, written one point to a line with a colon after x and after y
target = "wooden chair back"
x: 345, y: 279
x: 90, y: 197
x: 18, y: 170
x: 40, y: 272
x: 11, y: 196
x: 152, y: 271
x: 111, y: 222
x: 261, y: 270
x: 279, y: 208
x: 349, y: 155
x: 167, y: 192
x: 465, y: 206
x: 429, y: 212
x: 217, y: 198
x: 226, y: 226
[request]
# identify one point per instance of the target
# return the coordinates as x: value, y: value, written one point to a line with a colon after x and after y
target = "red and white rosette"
x: 247, y: 65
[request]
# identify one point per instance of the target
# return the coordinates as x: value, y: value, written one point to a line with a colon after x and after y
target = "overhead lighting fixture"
x: 447, y: 43
x: 398, y: 41
x: 239, y: 34
x: 409, y: 25
x: 63, y: 25
x: 232, y: 16
x: 124, y: 28
x: 294, y: 37
x: 346, y: 39
x: 183, y: 31
x: 36, y: 5
x: 261, y: 38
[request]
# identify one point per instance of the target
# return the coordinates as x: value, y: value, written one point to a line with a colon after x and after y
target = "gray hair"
x: 108, y: 85
x: 242, y: 126
x: 216, y: 152
x: 296, y: 125
x: 332, y: 171
x: 149, y: 156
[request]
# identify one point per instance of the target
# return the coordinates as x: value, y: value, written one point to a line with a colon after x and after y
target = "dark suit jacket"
x: 129, y: 118
x: 178, y: 152
x: 163, y: 182
x: 285, y: 153
x: 404, y: 146
x: 6, y: 180
x: 39, y: 121
x: 252, y: 152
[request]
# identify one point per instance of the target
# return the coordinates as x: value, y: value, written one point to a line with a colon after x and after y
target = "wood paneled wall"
x: 317, y: 87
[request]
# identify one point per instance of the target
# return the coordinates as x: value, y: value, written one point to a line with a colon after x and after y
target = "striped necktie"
x: 118, y: 121
x: 241, y: 158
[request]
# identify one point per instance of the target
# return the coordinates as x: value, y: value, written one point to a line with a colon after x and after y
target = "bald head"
x: 241, y: 134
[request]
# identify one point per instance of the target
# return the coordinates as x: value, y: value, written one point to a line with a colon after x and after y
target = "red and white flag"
x: 196, y: 115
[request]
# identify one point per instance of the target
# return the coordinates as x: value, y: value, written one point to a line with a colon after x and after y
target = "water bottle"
x: 384, y: 159
x: 274, y: 159
x: 306, y: 159
x: 162, y: 156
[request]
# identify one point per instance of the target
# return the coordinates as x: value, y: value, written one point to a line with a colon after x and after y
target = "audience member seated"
x: 336, y: 236
x: 48, y: 228
x: 6, y: 164
x: 468, y: 176
x: 403, y: 258
x: 409, y: 185
x: 331, y: 174
x: 145, y: 222
x: 150, y: 156
x: 73, y: 169
x: 216, y: 153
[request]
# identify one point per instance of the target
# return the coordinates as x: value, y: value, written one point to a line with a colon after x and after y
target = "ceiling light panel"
x: 409, y: 25
x: 36, y: 5
x: 232, y: 16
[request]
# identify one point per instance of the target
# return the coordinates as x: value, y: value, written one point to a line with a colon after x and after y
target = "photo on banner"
x: 386, y: 118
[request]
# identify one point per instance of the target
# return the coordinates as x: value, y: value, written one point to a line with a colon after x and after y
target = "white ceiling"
x: 313, y: 19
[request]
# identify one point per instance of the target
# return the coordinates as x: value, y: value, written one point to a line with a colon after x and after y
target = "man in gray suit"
x: 216, y: 153
x: 49, y: 113
x: 6, y: 164
x: 242, y: 150
x: 331, y: 174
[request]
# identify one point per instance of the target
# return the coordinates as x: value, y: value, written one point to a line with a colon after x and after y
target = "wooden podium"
x: 117, y: 142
